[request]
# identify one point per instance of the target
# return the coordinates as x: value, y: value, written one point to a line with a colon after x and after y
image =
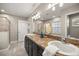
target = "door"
x: 22, y: 29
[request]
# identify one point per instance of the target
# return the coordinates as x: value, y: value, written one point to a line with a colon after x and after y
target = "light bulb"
x: 53, y: 8
x: 61, y: 4
x: 49, y: 6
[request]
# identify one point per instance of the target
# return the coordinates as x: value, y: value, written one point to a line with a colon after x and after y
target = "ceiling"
x: 29, y: 9
x: 18, y: 9
x: 48, y: 13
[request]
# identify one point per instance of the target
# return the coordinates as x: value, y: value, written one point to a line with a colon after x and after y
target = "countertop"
x: 42, y: 42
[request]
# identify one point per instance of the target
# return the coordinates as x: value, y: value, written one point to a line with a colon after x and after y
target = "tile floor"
x: 16, y: 49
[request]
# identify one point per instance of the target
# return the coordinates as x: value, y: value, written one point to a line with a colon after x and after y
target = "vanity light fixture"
x: 51, y: 5
x: 32, y: 17
x: 36, y: 16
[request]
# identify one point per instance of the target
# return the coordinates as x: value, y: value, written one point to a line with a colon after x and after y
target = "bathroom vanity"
x: 35, y: 45
x: 32, y: 48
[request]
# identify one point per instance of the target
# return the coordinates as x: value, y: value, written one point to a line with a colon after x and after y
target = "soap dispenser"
x: 42, y: 34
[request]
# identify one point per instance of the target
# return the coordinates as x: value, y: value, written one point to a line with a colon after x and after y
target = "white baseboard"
x: 5, y: 48
x: 20, y: 41
x: 13, y: 42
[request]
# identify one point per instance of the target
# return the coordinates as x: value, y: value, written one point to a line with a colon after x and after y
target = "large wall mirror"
x: 48, y: 28
x: 53, y: 26
x: 73, y: 27
x: 56, y: 26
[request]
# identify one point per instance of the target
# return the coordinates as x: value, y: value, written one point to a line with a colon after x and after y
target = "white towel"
x: 50, y: 50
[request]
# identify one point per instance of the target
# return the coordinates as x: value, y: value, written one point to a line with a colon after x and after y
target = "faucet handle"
x: 63, y: 38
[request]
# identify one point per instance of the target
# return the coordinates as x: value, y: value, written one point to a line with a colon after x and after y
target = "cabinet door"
x: 34, y: 47
x: 39, y: 51
x: 30, y: 48
x: 26, y: 44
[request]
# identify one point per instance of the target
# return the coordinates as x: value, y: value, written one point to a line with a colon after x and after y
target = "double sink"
x: 65, y: 48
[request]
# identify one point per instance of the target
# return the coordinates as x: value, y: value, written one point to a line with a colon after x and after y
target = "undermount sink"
x: 66, y: 49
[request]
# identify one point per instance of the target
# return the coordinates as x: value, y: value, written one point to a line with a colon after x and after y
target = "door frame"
x: 9, y: 26
x: 67, y: 19
x: 18, y: 30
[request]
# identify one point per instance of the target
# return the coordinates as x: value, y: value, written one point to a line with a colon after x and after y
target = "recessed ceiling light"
x: 2, y: 10
x: 49, y: 6
x: 61, y: 4
x: 53, y: 8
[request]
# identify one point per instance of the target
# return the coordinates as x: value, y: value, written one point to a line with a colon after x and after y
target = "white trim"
x: 5, y: 48
x: 9, y: 33
x: 72, y: 13
x: 13, y: 42
x: 66, y: 18
x: 20, y: 41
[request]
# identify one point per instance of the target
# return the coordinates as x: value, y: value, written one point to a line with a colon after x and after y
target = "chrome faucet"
x: 63, y: 39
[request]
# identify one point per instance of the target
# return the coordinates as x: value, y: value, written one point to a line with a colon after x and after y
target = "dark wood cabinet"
x: 39, y: 51
x: 32, y: 48
x: 26, y: 44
